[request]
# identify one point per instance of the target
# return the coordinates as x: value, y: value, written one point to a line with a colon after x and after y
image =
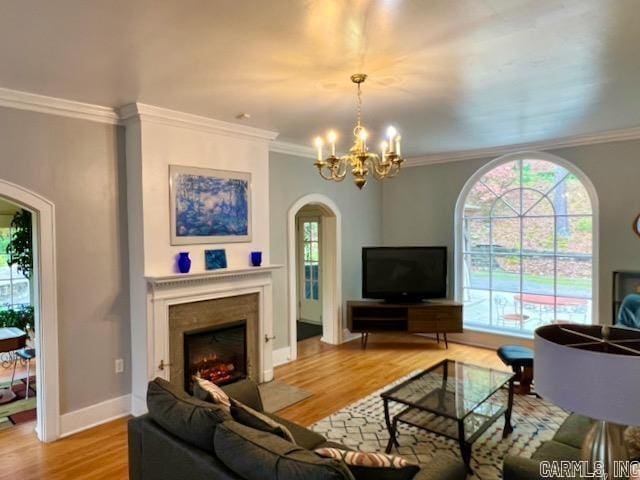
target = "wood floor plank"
x: 336, y: 375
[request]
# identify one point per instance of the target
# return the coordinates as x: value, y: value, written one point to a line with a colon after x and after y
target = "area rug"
x: 21, y: 409
x: 278, y: 395
x: 361, y: 426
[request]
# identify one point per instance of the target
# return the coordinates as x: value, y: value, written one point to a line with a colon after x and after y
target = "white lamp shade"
x: 603, y: 386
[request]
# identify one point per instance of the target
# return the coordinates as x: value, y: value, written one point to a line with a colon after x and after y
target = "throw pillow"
x: 245, y: 415
x: 372, y: 466
x: 214, y: 392
x: 632, y: 440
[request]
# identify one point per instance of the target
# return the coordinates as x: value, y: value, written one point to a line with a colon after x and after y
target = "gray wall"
x: 79, y: 165
x: 291, y: 178
x: 419, y: 205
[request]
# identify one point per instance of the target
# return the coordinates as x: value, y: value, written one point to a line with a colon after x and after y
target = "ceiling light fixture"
x: 359, y: 158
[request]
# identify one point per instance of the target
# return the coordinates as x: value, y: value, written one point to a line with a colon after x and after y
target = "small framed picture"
x: 209, y: 206
x: 215, y: 259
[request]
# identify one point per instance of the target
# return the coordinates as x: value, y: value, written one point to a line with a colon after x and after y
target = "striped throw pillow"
x: 216, y: 394
x: 369, y: 466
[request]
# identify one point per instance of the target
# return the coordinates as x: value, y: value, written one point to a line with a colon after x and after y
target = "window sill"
x: 498, y: 333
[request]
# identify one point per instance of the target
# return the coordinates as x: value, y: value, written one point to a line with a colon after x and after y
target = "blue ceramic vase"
x: 256, y: 259
x: 184, y: 262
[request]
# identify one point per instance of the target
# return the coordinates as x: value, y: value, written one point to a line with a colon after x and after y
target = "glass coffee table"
x: 455, y: 399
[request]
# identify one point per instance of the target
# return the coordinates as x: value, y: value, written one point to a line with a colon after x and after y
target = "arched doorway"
x: 526, y: 245
x: 324, y: 280
x: 45, y: 306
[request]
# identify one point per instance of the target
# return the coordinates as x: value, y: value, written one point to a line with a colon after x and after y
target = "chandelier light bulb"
x: 383, y: 147
x: 363, y: 135
x: 391, y: 133
x: 331, y: 137
x: 318, y: 143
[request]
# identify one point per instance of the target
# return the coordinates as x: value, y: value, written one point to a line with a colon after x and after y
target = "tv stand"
x: 436, y: 316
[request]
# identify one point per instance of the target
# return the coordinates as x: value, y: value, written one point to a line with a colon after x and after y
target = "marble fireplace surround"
x: 217, y: 312
x: 246, y: 292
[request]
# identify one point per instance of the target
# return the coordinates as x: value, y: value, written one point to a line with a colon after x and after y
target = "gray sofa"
x: 186, y: 437
x: 565, y: 445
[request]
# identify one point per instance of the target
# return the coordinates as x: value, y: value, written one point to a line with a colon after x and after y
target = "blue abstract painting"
x: 210, y: 206
x: 214, y: 259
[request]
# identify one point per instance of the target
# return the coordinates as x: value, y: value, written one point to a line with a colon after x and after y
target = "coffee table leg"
x: 465, y: 448
x: 508, y: 428
x: 391, y: 427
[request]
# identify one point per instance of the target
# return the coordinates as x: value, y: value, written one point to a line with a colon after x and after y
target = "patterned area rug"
x: 21, y: 409
x: 361, y: 426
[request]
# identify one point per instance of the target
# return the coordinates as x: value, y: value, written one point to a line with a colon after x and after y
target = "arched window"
x: 525, y: 245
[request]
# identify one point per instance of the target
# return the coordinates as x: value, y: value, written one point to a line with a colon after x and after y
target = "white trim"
x: 348, y: 336
x: 138, y: 406
x: 46, y: 306
x: 526, y: 155
x: 332, y: 268
x: 94, y: 415
x: 619, y: 135
x: 165, y: 116
x: 281, y: 356
x: 294, y: 149
x: 57, y: 106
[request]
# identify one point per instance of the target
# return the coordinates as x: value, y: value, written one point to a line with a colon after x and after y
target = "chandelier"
x: 359, y: 159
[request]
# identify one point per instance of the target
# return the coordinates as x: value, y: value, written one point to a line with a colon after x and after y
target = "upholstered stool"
x: 520, y: 359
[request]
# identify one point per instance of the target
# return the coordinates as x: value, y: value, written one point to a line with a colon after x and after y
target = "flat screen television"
x: 404, y: 273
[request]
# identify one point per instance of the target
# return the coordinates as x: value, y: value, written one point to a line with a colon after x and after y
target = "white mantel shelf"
x: 178, y: 278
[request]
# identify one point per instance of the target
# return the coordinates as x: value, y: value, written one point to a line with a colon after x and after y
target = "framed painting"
x: 209, y: 206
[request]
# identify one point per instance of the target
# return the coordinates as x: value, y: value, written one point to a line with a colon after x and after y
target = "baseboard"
x: 281, y: 356
x: 94, y: 415
x: 347, y: 336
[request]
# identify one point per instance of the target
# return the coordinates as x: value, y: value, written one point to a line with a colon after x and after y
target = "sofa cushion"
x: 256, y: 455
x: 245, y: 415
x: 245, y: 391
x: 189, y: 419
x: 573, y: 430
x: 302, y: 436
x: 372, y: 466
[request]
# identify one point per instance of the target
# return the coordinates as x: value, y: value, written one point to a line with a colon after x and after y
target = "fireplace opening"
x: 217, y: 354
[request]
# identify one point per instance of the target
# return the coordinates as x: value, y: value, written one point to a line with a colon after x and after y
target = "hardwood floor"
x: 337, y: 376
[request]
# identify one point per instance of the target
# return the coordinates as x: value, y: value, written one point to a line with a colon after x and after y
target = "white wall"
x: 157, y: 138
x: 165, y: 145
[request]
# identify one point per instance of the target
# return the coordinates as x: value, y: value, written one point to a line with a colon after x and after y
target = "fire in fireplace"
x: 217, y: 354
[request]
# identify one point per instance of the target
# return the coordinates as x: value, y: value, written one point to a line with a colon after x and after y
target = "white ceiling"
x: 450, y: 74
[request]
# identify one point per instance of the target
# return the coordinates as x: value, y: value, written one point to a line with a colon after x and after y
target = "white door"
x: 309, y: 271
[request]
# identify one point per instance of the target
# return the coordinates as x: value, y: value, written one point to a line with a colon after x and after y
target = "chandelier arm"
x: 328, y: 176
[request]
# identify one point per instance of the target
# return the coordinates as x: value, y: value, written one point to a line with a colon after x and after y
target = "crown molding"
x: 57, y: 106
x: 165, y: 116
x: 620, y: 135
x: 292, y: 149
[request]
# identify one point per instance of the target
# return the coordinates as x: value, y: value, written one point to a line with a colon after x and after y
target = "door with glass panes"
x: 309, y: 270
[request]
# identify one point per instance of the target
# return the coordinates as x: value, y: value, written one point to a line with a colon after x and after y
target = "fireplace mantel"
x: 176, y: 280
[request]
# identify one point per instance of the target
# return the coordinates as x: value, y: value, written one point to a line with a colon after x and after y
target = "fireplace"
x: 217, y: 354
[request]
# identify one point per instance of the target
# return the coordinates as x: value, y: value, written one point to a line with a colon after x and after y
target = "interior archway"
x: 45, y: 304
x: 331, y: 279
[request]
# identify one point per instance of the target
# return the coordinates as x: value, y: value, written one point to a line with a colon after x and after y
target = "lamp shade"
x: 590, y: 370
